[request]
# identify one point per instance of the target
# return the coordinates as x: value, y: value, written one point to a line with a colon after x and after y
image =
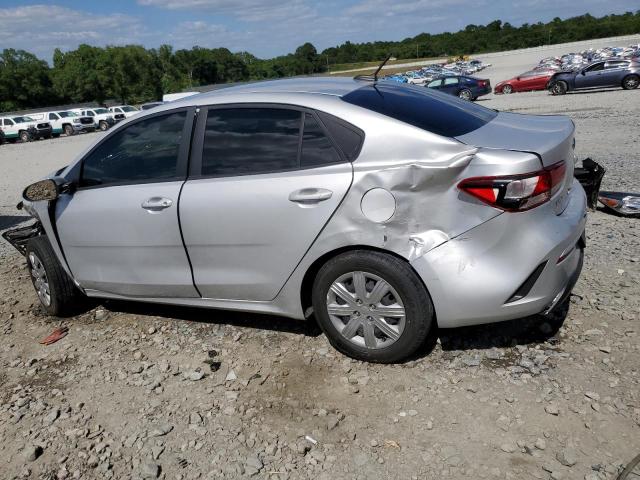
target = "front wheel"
x: 558, y: 88
x: 630, y: 82
x: 104, y: 126
x: 465, y: 94
x: 68, y: 130
x: 57, y: 294
x: 372, y: 306
x: 507, y: 89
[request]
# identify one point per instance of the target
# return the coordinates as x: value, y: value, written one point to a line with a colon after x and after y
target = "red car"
x: 525, y: 82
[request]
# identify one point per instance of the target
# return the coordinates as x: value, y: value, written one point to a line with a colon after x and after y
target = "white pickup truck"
x: 24, y: 128
x: 126, y: 110
x: 101, y: 116
x: 66, y: 122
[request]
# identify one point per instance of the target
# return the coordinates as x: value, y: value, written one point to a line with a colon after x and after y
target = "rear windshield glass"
x: 422, y: 107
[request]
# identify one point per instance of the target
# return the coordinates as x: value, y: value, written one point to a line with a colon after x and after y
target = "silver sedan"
x: 381, y: 209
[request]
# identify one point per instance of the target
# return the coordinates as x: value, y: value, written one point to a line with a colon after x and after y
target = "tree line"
x: 133, y: 74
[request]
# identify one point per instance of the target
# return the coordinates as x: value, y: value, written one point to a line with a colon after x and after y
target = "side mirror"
x: 48, y: 189
x: 582, y: 72
x: 518, y: 78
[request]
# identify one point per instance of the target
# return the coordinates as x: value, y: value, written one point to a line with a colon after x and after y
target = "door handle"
x: 155, y: 204
x: 310, y: 196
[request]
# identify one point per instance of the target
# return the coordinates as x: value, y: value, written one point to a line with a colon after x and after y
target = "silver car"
x: 382, y: 209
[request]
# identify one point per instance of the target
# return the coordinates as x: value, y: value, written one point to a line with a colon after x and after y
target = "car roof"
x: 338, y: 86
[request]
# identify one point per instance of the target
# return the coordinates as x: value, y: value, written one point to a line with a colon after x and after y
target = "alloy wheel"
x: 39, y: 278
x: 465, y: 95
x: 366, y: 310
x: 507, y: 89
x: 631, y: 83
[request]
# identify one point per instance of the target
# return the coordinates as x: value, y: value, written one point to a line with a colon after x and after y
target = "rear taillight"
x: 482, y: 83
x: 516, y: 193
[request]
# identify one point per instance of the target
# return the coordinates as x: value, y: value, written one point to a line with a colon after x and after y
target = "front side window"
x: 596, y: 67
x: 53, y: 116
x: 8, y: 122
x: 434, y: 84
x: 143, y: 152
x: 243, y: 141
x: 89, y: 113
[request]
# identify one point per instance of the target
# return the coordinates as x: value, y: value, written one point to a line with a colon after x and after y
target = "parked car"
x: 66, y: 122
x: 525, y: 82
x: 101, y: 116
x: 2, y: 139
x: 467, y: 88
x: 25, y: 128
x: 126, y: 110
x: 337, y: 197
x: 607, y: 73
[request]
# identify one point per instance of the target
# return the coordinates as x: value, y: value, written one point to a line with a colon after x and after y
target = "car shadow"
x: 594, y: 90
x: 506, y: 334
x: 8, y: 221
x: 216, y: 317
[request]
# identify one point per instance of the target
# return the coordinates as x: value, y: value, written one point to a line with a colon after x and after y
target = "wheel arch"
x: 306, y: 286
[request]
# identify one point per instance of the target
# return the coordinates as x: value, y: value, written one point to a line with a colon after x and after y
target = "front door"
x: 120, y: 231
x: 591, y: 76
x: 259, y: 196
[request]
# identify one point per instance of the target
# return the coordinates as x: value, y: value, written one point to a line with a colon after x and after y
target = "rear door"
x: 614, y: 72
x: 119, y: 230
x: 264, y: 180
x: 451, y: 85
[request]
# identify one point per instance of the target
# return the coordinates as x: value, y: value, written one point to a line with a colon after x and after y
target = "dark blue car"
x: 467, y: 88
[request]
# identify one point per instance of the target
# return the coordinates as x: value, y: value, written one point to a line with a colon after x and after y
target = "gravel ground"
x: 139, y: 391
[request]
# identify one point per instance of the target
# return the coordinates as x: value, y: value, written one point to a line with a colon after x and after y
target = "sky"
x: 265, y: 28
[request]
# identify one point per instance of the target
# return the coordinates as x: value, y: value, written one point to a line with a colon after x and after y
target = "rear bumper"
x: 478, y: 276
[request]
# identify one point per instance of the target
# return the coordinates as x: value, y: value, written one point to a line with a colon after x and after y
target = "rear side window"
x: 143, y: 152
x: 347, y: 137
x: 421, y: 107
x: 242, y: 141
x: 317, y: 149
x: 451, y: 81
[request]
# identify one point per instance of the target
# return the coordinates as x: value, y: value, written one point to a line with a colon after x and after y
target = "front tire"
x: 631, y: 82
x: 68, y: 130
x: 57, y: 294
x: 507, y: 89
x: 558, y: 88
x: 104, y: 126
x: 372, y: 306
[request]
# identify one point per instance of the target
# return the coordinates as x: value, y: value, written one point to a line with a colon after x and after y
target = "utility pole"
x: 417, y: 55
x: 549, y: 36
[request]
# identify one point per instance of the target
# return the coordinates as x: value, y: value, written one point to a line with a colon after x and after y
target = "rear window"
x: 422, y: 107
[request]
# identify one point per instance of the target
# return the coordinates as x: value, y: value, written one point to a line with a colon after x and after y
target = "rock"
x: 552, y: 409
x: 254, y: 462
x: 101, y: 315
x: 151, y: 330
x: 556, y: 475
x: 149, y: 470
x: 32, y: 452
x: 567, y: 457
x: 592, y: 395
x: 231, y: 376
x: 52, y: 416
x: 195, y: 419
x: 332, y: 422
x: 160, y: 430
x: 509, y: 447
x: 540, y: 444
x: 195, y: 376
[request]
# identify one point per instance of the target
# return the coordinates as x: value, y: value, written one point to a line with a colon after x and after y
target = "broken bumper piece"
x: 19, y: 236
x: 590, y: 177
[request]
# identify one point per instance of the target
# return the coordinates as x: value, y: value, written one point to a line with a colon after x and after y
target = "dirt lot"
x: 139, y: 391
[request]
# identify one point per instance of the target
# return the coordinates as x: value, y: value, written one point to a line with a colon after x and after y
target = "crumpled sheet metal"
x: 626, y: 204
x: 430, y: 210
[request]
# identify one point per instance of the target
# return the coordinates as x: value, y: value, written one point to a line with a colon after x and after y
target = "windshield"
x: 100, y: 111
x: 128, y: 108
x: 67, y: 114
x: 23, y: 119
x: 421, y: 107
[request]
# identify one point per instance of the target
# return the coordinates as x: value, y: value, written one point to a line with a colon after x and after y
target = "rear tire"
x: 558, y: 88
x: 25, y: 136
x: 507, y: 89
x: 465, y: 94
x: 630, y: 82
x: 56, y: 291
x: 384, y: 282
